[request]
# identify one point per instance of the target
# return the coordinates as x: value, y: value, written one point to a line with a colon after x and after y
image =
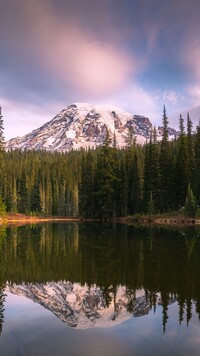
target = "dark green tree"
x: 13, y: 196
x: 190, y: 208
x: 131, y: 137
x: 151, y: 174
x: 128, y: 172
x: 165, y: 164
x: 181, y: 165
x: 190, y: 150
x: 106, y: 180
x: 136, y: 188
x: 23, y: 202
x: 87, y: 187
x: 2, y: 153
x: 196, y: 185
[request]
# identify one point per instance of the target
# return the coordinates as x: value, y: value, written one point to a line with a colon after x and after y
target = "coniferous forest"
x: 158, y: 177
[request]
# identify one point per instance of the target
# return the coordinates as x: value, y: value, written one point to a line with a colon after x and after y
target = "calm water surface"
x: 91, y: 289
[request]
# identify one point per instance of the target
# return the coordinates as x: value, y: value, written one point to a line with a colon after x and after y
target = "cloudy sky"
x: 135, y: 54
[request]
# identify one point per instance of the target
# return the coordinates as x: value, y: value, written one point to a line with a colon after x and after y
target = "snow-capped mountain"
x: 83, y: 306
x: 85, y: 125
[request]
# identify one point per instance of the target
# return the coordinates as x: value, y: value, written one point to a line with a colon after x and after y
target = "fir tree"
x: 2, y: 168
x: 154, y: 171
x: 14, y: 197
x: 106, y: 180
x: 196, y: 184
x: 23, y: 202
x: 136, y: 189
x: 114, y: 141
x: 181, y: 165
x: 131, y: 138
x: 165, y: 164
x: 1, y: 137
x: 2, y: 153
x: 190, y: 150
x: 190, y: 203
x: 35, y: 195
x: 87, y: 187
x: 2, y: 207
x: 146, y: 178
x: 151, y: 174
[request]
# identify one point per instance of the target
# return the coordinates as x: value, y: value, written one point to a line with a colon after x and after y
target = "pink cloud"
x: 73, y: 56
x: 20, y: 119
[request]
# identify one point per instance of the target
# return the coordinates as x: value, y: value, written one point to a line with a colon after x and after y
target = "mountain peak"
x: 84, y: 125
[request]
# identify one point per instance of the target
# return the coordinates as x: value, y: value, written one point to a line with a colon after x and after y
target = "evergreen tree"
x: 190, y: 203
x: 151, y: 207
x: 181, y: 165
x: 106, y: 180
x: 136, y: 189
x: 2, y: 207
x: 1, y: 139
x: 154, y: 171
x: 151, y: 174
x: 14, y: 197
x: 190, y: 150
x: 131, y: 138
x: 129, y: 171
x: 35, y: 194
x: 2, y: 153
x: 146, y: 177
x: 114, y: 141
x: 165, y: 302
x: 196, y: 185
x: 87, y: 187
x: 23, y: 202
x: 123, y: 185
x: 165, y: 164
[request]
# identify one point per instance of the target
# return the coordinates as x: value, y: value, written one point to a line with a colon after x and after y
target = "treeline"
x: 107, y: 182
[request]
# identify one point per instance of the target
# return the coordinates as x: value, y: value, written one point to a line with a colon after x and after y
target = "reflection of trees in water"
x: 156, y: 259
x: 2, y: 301
x: 3, y: 234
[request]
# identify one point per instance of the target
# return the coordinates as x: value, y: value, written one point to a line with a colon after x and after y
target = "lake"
x: 99, y: 289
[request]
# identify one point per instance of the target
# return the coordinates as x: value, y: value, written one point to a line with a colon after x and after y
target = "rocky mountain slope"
x: 85, y: 125
x: 83, y: 306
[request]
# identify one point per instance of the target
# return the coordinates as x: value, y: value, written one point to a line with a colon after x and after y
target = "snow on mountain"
x: 83, y: 306
x: 85, y: 125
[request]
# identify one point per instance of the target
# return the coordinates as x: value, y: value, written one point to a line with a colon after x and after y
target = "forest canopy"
x: 107, y: 181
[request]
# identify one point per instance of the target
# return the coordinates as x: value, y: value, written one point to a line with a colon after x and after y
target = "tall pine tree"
x: 165, y: 163
x: 106, y: 180
x: 181, y: 165
x: 2, y: 157
x: 196, y: 185
x: 190, y: 149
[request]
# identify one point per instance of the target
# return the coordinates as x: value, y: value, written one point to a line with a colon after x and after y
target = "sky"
x: 135, y: 54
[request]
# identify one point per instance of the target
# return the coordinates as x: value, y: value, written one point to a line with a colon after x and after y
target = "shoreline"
x: 183, y: 221
x: 22, y: 219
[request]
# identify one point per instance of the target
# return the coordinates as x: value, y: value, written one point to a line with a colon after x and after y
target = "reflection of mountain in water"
x: 83, y: 306
x: 104, y: 255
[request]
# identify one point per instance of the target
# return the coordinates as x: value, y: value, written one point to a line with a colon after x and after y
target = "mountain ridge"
x: 84, y: 306
x: 83, y: 125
